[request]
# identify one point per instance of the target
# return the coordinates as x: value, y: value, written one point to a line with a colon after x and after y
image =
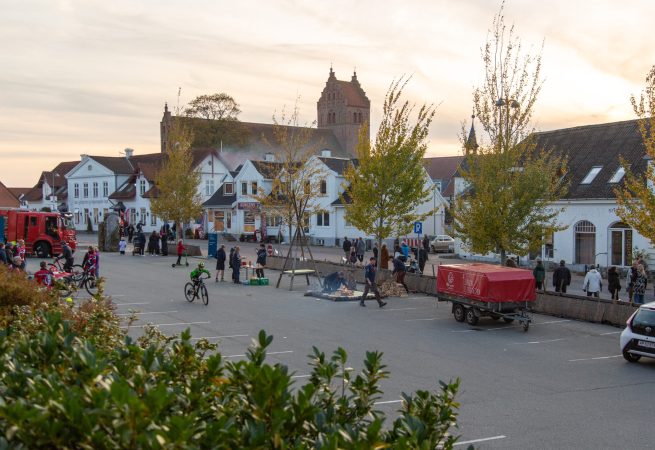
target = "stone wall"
x: 567, y: 306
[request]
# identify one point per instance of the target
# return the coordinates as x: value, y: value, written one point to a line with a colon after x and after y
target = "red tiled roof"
x: 19, y: 191
x: 443, y: 168
x: 7, y: 199
x: 34, y: 195
x: 354, y: 94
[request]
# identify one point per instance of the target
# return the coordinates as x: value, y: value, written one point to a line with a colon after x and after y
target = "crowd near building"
x: 231, y: 175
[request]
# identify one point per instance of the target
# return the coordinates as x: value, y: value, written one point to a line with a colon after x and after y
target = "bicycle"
x: 196, y: 289
x: 87, y: 281
x: 57, y: 266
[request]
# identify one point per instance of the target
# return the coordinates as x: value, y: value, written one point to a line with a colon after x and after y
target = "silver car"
x: 442, y: 243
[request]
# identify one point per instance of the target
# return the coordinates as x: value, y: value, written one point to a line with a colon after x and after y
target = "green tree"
x: 636, y: 199
x: 177, y: 180
x: 510, y: 183
x: 214, y: 120
x: 389, y: 182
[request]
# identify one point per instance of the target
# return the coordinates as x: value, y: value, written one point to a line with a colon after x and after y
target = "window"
x: 95, y: 189
x: 585, y: 242
x: 95, y: 214
x: 253, y: 188
x: 76, y: 190
x: 591, y: 175
x: 142, y: 218
x: 323, y: 219
x: 86, y: 215
x: 209, y: 186
x: 273, y: 221
x: 244, y: 188
x: 323, y: 187
x: 219, y: 220
x: 142, y: 187
x: 618, y: 175
x: 85, y: 190
x: 105, y: 188
x: 621, y: 244
x: 228, y: 189
x: 153, y: 219
x: 89, y: 167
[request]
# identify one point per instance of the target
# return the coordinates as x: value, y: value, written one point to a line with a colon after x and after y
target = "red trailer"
x: 479, y: 290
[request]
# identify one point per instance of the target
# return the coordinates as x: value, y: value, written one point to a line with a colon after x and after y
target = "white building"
x: 594, y: 234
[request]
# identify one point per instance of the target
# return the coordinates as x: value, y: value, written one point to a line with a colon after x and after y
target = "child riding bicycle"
x: 198, y: 271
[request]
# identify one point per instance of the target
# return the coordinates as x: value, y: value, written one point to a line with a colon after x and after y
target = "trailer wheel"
x: 459, y: 312
x: 42, y: 249
x: 471, y: 317
x: 508, y: 319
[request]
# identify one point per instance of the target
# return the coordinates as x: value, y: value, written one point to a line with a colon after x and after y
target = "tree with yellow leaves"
x: 636, y: 199
x: 506, y: 206
x: 177, y: 181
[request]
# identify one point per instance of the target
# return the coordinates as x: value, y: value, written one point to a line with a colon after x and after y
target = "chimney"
x: 325, y: 153
x: 269, y: 157
x: 83, y: 155
x: 128, y: 153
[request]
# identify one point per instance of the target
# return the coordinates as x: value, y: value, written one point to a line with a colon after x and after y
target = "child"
x: 43, y: 276
x: 122, y: 245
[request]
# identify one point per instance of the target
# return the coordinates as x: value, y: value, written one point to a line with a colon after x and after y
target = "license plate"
x: 646, y: 344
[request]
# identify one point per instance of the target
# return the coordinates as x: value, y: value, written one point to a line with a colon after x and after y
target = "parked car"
x: 638, y: 338
x: 442, y: 243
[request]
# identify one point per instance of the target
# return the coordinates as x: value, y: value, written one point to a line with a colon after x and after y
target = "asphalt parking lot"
x: 563, y: 384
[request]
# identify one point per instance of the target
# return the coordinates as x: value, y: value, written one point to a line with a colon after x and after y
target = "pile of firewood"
x: 392, y: 289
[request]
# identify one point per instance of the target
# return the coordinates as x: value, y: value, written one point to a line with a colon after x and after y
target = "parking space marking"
x: 507, y: 327
x: 144, y: 313
x: 419, y: 320
x: 267, y: 353
x: 397, y: 309
x: 171, y: 324
x: 300, y: 376
x: 132, y: 304
x: 539, y: 342
x: 551, y: 321
x: 474, y: 441
x: 611, y: 332
x: 220, y: 337
x: 596, y: 358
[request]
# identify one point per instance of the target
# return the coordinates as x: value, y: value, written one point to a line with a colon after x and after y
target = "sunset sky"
x: 92, y: 76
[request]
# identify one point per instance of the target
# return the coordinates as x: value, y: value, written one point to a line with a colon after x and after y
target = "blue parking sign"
x: 418, y: 227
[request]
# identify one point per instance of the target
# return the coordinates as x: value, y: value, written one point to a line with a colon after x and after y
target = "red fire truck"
x: 41, y: 231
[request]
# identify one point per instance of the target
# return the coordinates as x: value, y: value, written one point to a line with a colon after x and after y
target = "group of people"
x: 156, y: 243
x: 13, y: 256
x: 234, y: 263
x: 90, y: 264
x: 592, y: 285
x: 354, y: 252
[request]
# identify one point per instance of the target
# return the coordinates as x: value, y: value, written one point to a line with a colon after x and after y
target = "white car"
x: 442, y: 243
x: 638, y: 338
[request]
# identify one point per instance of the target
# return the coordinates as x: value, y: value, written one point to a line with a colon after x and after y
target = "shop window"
x: 585, y: 242
x: 620, y: 244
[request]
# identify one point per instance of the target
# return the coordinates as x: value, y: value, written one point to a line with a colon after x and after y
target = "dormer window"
x: 228, y: 189
x: 591, y: 175
x: 142, y: 187
x: 618, y: 175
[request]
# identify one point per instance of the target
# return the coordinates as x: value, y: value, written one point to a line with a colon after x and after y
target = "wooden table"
x: 293, y: 273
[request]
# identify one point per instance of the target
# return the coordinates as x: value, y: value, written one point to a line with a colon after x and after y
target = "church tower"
x: 164, y: 127
x: 471, y: 144
x: 343, y: 107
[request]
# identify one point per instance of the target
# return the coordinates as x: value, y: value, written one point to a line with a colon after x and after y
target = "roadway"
x: 563, y: 384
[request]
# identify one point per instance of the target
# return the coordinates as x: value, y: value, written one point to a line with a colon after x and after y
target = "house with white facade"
x: 51, y: 191
x: 593, y: 233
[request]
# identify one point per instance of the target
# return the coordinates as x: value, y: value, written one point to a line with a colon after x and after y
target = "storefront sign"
x: 249, y: 206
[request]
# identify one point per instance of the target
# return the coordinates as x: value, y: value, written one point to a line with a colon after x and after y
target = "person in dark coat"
x: 236, y: 265
x: 384, y: 257
x: 422, y: 258
x: 369, y: 283
x: 220, y: 262
x: 399, y: 271
x: 152, y: 243
x: 333, y: 282
x: 261, y: 261
x: 561, y: 277
x: 130, y: 232
x: 539, y: 273
x: 141, y: 236
x: 346, y: 247
x: 164, y: 242
x: 3, y: 254
x: 613, y: 282
x: 230, y: 259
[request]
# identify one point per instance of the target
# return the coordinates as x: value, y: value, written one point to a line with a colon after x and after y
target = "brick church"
x: 342, y: 108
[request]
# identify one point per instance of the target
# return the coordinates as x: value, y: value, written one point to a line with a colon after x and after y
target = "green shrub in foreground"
x: 58, y: 391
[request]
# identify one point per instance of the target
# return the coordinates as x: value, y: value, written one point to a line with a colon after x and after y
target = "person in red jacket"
x: 43, y: 276
x: 180, y: 252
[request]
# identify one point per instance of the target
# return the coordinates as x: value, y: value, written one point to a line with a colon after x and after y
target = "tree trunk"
x: 503, y: 257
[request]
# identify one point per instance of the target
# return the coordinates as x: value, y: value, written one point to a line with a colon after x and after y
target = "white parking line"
x: 220, y: 337
x: 418, y: 320
x: 596, y: 358
x: 508, y: 327
x: 132, y: 304
x: 171, y: 324
x: 388, y: 402
x: 611, y: 332
x: 397, y: 309
x: 300, y: 376
x: 267, y: 353
x: 493, y: 438
x: 144, y: 313
x: 539, y: 342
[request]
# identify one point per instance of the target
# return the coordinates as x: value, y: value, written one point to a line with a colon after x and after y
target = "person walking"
x: 130, y: 233
x: 230, y: 259
x: 369, y: 283
x: 236, y: 265
x: 639, y: 285
x: 163, y: 235
x: 399, y: 271
x: 539, y: 273
x: 422, y: 258
x: 376, y: 252
x: 404, y: 249
x: 384, y: 257
x: 361, y: 249
x: 220, y: 262
x: 151, y: 243
x: 593, y: 282
x: 67, y: 256
x: 613, y: 282
x: 346, y: 248
x: 561, y: 277
x: 261, y: 261
x: 630, y: 280
x: 426, y: 243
